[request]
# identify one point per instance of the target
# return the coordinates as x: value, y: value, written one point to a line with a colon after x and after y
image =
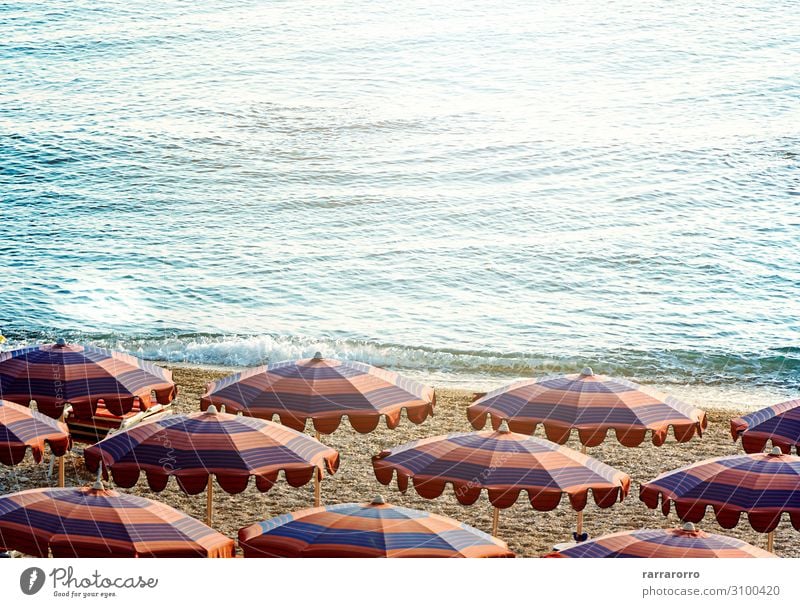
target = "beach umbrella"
x: 761, y: 485
x: 23, y: 428
x: 779, y: 423
x: 195, y: 447
x: 503, y: 463
x: 323, y: 390
x: 684, y: 542
x: 93, y: 521
x: 375, y: 529
x: 592, y: 405
x: 55, y: 375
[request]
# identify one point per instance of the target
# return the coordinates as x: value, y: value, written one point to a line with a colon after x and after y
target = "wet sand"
x: 528, y: 533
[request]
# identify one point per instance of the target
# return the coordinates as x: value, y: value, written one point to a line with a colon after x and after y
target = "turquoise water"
x: 471, y: 189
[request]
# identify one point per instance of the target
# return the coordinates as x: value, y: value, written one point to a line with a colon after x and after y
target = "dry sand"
x: 528, y: 533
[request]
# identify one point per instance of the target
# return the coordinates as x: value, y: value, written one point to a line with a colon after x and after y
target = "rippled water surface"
x: 487, y: 188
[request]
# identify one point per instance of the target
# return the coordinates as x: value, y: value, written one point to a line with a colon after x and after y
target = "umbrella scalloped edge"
x: 560, y: 433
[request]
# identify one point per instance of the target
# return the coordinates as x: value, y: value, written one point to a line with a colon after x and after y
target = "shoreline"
x: 529, y: 533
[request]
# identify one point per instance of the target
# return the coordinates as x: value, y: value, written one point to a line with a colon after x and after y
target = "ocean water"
x: 471, y: 190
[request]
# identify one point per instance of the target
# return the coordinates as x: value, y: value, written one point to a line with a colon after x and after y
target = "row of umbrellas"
x: 195, y: 447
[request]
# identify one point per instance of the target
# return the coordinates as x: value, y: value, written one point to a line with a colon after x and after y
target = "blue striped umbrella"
x: 686, y: 542
x: 323, y: 390
x: 98, y: 522
x: 194, y: 447
x: 375, y: 529
x: 55, y: 375
x: 779, y: 424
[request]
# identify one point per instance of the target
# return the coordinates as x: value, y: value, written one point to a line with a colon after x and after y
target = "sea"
x: 468, y: 192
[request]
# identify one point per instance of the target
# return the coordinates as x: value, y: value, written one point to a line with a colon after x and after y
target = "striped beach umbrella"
x: 592, y: 405
x: 55, y: 375
x: 323, y: 390
x: 195, y: 447
x: 375, y: 529
x: 96, y: 522
x: 779, y: 424
x: 503, y: 463
x: 761, y: 485
x: 685, y: 542
x: 23, y: 428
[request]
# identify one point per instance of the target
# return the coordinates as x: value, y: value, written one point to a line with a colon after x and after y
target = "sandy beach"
x: 528, y: 533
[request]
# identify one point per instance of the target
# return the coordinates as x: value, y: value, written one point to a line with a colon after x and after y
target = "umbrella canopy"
x: 22, y: 428
x: 763, y: 485
x: 192, y: 447
x: 323, y: 390
x: 592, y: 405
x: 779, y: 423
x: 97, y: 522
x: 375, y: 529
x: 686, y: 542
x: 56, y: 374
x: 503, y: 463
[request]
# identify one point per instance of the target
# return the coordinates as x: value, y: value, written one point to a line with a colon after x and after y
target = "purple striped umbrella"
x: 592, y: 405
x: 376, y: 529
x: 58, y: 374
x: 97, y: 522
x: 22, y: 428
x: 323, y: 390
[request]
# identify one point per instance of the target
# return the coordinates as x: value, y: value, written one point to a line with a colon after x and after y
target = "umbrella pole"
x: 771, y: 541
x: 61, y: 471
x: 317, y: 474
x: 495, y: 521
x: 209, y: 501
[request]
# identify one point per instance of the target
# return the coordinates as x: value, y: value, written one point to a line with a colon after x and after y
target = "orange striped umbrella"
x: 375, y: 529
x: 194, y: 447
x: 504, y: 464
x: 592, y: 405
x: 779, y: 424
x: 96, y: 522
x: 323, y: 390
x: 685, y: 542
x: 58, y: 374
